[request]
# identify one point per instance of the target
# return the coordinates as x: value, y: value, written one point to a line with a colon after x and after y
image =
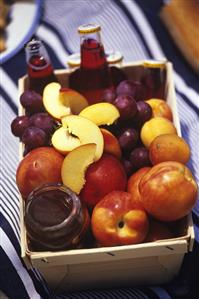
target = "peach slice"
x: 59, y: 101
x: 101, y: 113
x: 75, y: 164
x: 111, y: 144
x: 85, y: 130
x: 75, y: 100
x: 64, y: 142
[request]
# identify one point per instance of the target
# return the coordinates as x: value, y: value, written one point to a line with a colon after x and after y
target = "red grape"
x: 128, y: 139
x: 43, y: 121
x: 34, y: 137
x: 144, y: 112
x: 132, y: 88
x: 127, y: 166
x: 19, y: 124
x: 139, y: 157
x: 31, y: 101
x: 126, y: 105
x: 108, y: 95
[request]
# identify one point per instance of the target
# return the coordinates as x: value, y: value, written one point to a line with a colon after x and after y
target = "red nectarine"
x: 103, y: 176
x: 115, y: 221
x: 40, y: 166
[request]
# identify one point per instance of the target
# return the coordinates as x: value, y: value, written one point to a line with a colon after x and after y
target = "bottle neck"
x: 92, y: 51
x: 36, y: 55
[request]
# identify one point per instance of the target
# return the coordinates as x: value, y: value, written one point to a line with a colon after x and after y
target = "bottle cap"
x: 74, y: 60
x: 113, y: 56
x: 155, y: 63
x: 89, y: 28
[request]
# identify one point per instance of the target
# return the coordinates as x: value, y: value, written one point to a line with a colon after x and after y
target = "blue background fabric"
x: 134, y: 29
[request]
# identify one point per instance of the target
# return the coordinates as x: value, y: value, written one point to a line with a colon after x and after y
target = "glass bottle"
x: 93, y: 76
x: 39, y: 67
x: 154, y: 79
x: 55, y: 219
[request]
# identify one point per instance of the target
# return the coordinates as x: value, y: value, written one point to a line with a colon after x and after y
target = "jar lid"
x: 89, y: 28
x: 113, y: 57
x: 74, y: 60
x: 155, y: 63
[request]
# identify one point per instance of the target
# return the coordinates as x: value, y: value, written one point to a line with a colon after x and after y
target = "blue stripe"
x: 58, y: 35
x: 9, y: 101
x: 122, y: 6
x: 10, y: 282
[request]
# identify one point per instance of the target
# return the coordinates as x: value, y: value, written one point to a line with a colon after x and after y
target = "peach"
x: 59, y: 101
x: 40, y: 166
x: 154, y: 127
x: 75, y: 164
x: 160, y: 108
x: 102, y: 177
x: 75, y: 131
x: 169, y: 147
x: 111, y: 144
x: 115, y: 221
x: 101, y: 113
x: 133, y: 183
x: 168, y: 191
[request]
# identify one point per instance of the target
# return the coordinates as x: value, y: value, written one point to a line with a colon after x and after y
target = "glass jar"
x: 55, y: 218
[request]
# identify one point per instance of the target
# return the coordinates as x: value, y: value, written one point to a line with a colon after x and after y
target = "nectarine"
x: 115, y: 221
x: 133, y: 183
x: 40, y: 166
x: 168, y: 191
x: 103, y: 176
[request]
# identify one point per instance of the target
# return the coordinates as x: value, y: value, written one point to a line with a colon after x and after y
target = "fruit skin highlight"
x: 40, y: 166
x: 115, y: 221
x: 103, y: 176
x: 168, y: 191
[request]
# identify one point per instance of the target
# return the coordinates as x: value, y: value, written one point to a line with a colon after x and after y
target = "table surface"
x: 135, y: 29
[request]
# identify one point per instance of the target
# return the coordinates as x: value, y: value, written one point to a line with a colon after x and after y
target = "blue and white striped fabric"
x: 133, y: 28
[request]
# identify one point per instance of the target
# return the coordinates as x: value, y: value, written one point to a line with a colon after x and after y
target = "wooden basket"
x: 142, y: 264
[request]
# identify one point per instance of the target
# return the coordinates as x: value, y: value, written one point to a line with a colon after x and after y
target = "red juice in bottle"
x: 94, y: 75
x: 154, y: 79
x: 40, y: 70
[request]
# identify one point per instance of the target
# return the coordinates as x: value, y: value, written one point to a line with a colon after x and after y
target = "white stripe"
x: 155, y: 48
x: 8, y: 86
x: 53, y: 42
x: 22, y: 272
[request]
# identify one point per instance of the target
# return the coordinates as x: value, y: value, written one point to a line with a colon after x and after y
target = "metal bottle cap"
x: 155, y: 63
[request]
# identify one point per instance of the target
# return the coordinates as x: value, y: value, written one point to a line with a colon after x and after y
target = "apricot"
x: 154, y: 127
x: 160, y: 108
x: 169, y: 147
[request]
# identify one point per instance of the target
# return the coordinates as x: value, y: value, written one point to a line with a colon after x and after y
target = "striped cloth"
x: 134, y: 29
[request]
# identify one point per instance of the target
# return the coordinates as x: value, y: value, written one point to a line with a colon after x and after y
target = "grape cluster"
x: 128, y: 97
x: 35, y: 127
